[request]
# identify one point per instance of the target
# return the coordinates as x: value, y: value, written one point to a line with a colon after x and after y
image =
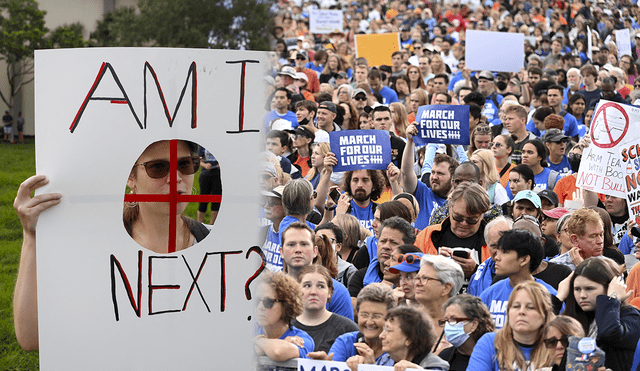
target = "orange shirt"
x: 304, y: 166
x: 504, y: 179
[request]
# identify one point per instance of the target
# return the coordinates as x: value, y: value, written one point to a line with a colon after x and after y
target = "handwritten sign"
x: 325, y: 21
x: 601, y: 169
x: 442, y: 124
x: 494, y: 51
x: 105, y: 302
x: 313, y: 365
x: 361, y: 149
x: 631, y: 163
x: 377, y: 48
x: 623, y: 42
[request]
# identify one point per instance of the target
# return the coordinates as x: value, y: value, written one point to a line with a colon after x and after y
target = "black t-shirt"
x: 449, y: 239
x: 362, y: 258
x: 397, y: 149
x: 516, y: 156
x: 457, y: 361
x: 325, y: 334
x: 554, y: 274
x: 356, y: 283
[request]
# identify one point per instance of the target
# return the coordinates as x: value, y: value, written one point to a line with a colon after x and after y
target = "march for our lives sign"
x: 442, y: 124
x: 361, y: 149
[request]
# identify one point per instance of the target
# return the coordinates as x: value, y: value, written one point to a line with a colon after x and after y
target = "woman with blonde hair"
x: 317, y: 163
x: 437, y: 65
x: 417, y: 98
x: 519, y: 344
x: 354, y: 234
x: 484, y: 159
x: 399, y: 119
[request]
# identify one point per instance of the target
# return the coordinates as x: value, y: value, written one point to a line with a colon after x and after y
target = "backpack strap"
x: 553, y: 177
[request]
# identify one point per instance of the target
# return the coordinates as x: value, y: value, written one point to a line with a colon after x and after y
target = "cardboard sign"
x: 447, y: 124
x: 361, y: 149
x: 601, y: 169
x: 623, y: 42
x: 377, y: 48
x: 325, y: 21
x: 494, y: 51
x: 105, y: 302
x: 313, y: 365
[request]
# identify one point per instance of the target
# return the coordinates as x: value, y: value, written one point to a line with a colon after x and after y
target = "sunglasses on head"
x: 483, y: 129
x: 157, y: 169
x: 268, y: 303
x: 529, y: 218
x: 552, y: 342
x: 409, y: 258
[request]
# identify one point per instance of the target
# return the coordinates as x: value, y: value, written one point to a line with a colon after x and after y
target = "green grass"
x: 18, y: 163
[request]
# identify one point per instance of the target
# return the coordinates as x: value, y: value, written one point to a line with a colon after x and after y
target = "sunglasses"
x: 157, y: 169
x: 360, y: 98
x: 453, y: 321
x: 268, y: 303
x: 300, y: 58
x: 409, y: 258
x: 496, y: 144
x: 552, y: 342
x: 483, y: 129
x: 460, y: 219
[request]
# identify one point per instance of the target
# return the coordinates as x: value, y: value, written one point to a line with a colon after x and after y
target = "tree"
x: 22, y: 31
x: 68, y: 36
x: 229, y: 24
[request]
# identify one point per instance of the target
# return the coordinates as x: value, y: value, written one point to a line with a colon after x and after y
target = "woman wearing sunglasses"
x: 146, y: 222
x: 279, y: 302
x: 556, y: 338
x: 466, y: 319
x: 403, y: 268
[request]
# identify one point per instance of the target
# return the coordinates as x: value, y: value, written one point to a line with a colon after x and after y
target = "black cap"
x: 302, y: 130
x: 329, y: 106
x: 550, y: 196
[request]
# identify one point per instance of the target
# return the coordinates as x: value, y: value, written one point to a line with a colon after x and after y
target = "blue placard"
x: 447, y: 124
x: 361, y: 149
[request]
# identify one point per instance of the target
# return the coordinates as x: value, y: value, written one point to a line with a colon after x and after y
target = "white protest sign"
x: 589, y: 44
x: 494, y: 51
x: 631, y: 163
x: 305, y: 364
x: 623, y: 42
x: 105, y: 302
x: 601, y: 169
x: 325, y: 21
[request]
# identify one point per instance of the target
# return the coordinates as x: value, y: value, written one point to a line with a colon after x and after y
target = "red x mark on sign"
x: 173, y: 197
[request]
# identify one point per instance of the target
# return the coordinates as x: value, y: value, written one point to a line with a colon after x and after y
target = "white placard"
x: 325, y: 21
x: 623, y: 42
x: 305, y: 364
x: 96, y: 111
x: 494, y: 51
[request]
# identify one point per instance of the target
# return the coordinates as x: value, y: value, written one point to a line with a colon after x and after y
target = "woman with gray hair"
x: 297, y: 202
x: 438, y: 280
x: 372, y: 305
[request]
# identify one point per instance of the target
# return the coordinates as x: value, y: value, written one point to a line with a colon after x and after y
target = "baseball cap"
x: 549, y: 195
x: 358, y: 91
x: 530, y: 196
x: 276, y: 192
x: 281, y: 124
x: 343, y: 75
x: 328, y: 106
x: 414, y: 257
x: 288, y: 71
x: 321, y: 136
x: 554, y: 135
x: 303, y: 52
x: 555, y: 213
x: 302, y: 76
x: 303, y: 130
x: 485, y: 75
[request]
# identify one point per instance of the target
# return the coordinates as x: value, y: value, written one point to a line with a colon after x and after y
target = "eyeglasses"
x: 495, y: 144
x: 360, y: 98
x: 460, y: 219
x: 157, y: 169
x: 453, y: 321
x: 409, y: 258
x: 267, y: 302
x: 375, y: 316
x: 424, y: 280
x: 575, y: 156
x: 552, y: 342
x: 273, y: 202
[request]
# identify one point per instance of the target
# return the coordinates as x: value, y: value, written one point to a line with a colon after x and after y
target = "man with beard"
x: 574, y: 82
x: 360, y: 188
x: 382, y: 121
x: 440, y: 179
x: 394, y: 232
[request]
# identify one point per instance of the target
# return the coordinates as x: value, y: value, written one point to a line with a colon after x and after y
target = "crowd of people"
x: 477, y: 257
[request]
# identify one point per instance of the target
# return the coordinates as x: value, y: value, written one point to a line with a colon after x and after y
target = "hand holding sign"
x: 447, y: 124
x: 29, y: 208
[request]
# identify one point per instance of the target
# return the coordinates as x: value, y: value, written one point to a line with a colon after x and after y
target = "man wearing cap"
x: 492, y: 99
x: 302, y: 58
x: 269, y: 236
x: 327, y: 112
x: 545, y: 45
x: 527, y: 202
x: 550, y: 221
x: 341, y: 78
x: 381, y: 116
x: 359, y: 100
x: 288, y: 75
x: 375, y: 81
x: 301, y: 158
x: 281, y: 99
x: 556, y: 143
x: 548, y: 199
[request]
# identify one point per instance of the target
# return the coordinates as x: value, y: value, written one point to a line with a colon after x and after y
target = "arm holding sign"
x: 393, y: 173
x: 322, y: 190
x: 25, y: 299
x: 409, y: 178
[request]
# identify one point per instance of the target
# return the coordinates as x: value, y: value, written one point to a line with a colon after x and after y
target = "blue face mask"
x: 455, y: 334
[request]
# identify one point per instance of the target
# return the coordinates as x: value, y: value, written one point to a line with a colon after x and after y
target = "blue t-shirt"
x: 287, y: 220
x: 427, y: 200
x: 388, y: 95
x: 272, y: 115
x: 309, y: 345
x: 343, y: 348
x: 626, y: 245
x: 496, y: 298
x: 340, y: 302
x: 570, y: 126
x: 482, y: 278
x: 271, y: 250
x: 542, y: 179
x: 564, y: 168
x: 483, y: 357
x: 363, y: 214
x: 490, y: 110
